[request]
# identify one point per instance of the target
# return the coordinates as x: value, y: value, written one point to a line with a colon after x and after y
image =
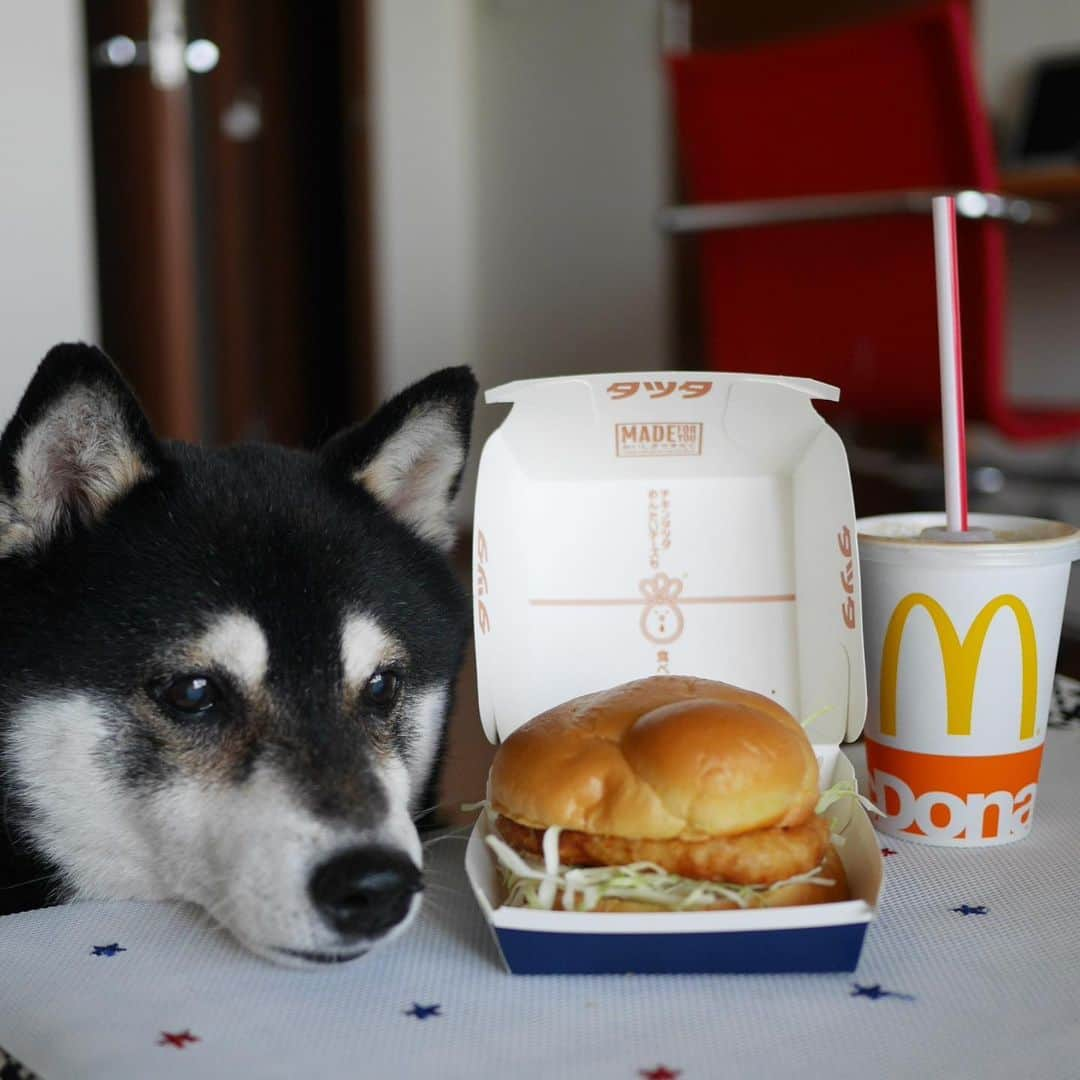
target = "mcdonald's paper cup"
x: 961, y: 645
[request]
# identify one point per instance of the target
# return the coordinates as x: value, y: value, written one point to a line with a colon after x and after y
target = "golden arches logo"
x: 961, y: 661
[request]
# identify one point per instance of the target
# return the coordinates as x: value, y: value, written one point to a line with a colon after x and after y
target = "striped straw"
x: 951, y: 359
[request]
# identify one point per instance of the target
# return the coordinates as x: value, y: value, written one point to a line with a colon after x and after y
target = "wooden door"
x: 144, y: 203
x: 233, y: 218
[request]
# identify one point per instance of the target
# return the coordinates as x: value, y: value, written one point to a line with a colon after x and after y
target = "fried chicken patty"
x: 751, y: 858
x: 832, y: 869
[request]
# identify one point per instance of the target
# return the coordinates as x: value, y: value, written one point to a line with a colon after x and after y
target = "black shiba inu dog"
x: 225, y: 674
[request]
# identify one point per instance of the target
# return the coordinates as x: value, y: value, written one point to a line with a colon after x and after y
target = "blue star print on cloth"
x: 422, y: 1012
x: 968, y: 909
x: 875, y: 992
x: 108, y: 950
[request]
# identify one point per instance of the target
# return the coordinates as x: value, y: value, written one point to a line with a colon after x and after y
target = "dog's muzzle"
x: 364, y: 891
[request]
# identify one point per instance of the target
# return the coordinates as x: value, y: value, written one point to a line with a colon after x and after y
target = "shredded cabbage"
x: 814, y: 715
x: 549, y: 883
x: 844, y: 789
x: 531, y: 883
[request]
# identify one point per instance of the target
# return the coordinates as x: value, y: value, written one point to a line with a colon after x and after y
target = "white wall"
x: 572, y: 162
x: 47, y: 277
x: 422, y: 99
x: 521, y: 156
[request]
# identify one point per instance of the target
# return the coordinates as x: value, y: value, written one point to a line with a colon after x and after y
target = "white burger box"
x: 676, y: 523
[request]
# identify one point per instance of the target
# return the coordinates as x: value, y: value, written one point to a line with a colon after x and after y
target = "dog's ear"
x: 77, y: 444
x: 411, y: 453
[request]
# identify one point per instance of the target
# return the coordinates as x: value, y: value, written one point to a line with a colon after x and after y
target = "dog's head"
x: 225, y: 674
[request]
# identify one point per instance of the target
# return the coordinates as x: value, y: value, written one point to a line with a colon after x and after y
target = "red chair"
x: 810, y: 164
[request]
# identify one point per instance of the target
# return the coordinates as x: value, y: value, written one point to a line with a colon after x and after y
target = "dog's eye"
x: 382, y: 688
x: 190, y: 694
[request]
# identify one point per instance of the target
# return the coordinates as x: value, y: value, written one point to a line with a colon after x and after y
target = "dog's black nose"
x: 365, y: 891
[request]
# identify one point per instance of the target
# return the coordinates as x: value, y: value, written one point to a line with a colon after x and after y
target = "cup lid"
x: 1016, y: 540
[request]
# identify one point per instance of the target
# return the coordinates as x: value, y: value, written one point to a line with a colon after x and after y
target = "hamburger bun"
x: 662, y: 758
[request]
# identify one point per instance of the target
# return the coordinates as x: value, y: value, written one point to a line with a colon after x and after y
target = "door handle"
x: 166, y: 52
x: 200, y: 55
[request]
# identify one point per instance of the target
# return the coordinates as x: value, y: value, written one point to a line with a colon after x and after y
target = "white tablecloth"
x: 971, y: 970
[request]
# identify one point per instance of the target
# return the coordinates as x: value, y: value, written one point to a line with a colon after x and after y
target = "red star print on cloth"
x: 661, y: 1072
x: 179, y: 1039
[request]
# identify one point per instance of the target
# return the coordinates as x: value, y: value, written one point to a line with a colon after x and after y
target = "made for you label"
x: 657, y: 439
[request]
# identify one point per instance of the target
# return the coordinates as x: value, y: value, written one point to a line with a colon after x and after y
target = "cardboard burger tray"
x: 684, y: 523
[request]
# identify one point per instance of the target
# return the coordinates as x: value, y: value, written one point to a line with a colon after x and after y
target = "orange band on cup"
x: 954, y: 799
